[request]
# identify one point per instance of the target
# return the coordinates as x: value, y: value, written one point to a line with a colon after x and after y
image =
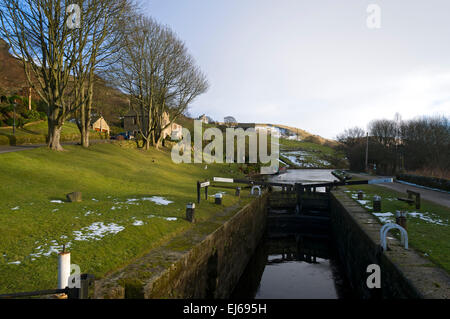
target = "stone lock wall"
x: 404, y: 273
x: 209, y: 269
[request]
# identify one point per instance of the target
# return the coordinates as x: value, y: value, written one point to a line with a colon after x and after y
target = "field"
x: 299, y: 154
x: 428, y: 228
x: 35, y: 133
x: 132, y: 201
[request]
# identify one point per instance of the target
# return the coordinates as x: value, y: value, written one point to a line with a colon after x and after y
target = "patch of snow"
x: 158, y: 200
x: 55, y: 210
x: 166, y: 218
x: 15, y: 263
x: 384, y: 217
x: 97, y: 231
x: 95, y: 200
x: 47, y: 250
x: 429, y: 219
x: 138, y: 223
x: 15, y: 208
x: 222, y: 193
x: 57, y: 201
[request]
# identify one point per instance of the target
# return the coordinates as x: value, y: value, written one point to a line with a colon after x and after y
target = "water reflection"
x: 292, y: 265
x: 292, y: 268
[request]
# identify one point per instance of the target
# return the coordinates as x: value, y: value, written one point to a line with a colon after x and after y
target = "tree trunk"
x: 54, y: 136
x: 85, y: 141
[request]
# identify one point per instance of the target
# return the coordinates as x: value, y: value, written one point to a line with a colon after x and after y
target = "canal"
x: 300, y: 264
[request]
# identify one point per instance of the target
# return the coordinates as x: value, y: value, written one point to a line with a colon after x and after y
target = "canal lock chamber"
x: 297, y: 257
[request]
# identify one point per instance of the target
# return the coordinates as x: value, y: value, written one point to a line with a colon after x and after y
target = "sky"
x: 315, y: 65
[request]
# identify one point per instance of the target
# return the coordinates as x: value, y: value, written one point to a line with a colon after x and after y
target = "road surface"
x: 19, y: 148
x: 441, y: 198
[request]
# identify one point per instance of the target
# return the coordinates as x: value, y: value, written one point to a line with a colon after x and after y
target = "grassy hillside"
x: 108, y: 101
x: 35, y: 133
x: 123, y: 215
x: 301, y: 154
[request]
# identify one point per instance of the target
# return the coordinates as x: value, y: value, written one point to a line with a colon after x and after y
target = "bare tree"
x: 229, y: 120
x: 157, y: 73
x: 97, y: 41
x: 40, y: 37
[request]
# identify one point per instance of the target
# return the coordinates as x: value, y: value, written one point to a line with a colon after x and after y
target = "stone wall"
x: 404, y: 273
x: 209, y: 266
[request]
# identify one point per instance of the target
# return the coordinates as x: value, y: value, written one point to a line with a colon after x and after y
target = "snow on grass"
x: 428, y: 218
x: 166, y: 218
x: 158, y: 200
x: 222, y: 193
x: 138, y: 223
x: 14, y: 263
x: 47, y: 249
x: 385, y: 217
x: 57, y: 201
x: 97, y: 231
x: 15, y: 208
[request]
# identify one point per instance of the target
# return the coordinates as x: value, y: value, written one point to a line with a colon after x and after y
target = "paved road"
x: 437, y: 197
x: 19, y: 148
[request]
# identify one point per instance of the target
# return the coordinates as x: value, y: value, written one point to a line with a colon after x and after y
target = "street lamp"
x: 14, y: 119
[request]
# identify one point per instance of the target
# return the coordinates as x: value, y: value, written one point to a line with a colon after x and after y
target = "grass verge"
x: 428, y: 228
x: 125, y: 210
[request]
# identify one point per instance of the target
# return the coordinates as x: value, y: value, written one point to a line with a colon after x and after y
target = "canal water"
x: 295, y: 266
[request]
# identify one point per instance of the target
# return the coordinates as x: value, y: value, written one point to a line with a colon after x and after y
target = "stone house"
x: 100, y: 125
x: 131, y: 125
x: 204, y: 119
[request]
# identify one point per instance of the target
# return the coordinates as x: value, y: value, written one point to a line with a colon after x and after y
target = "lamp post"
x: 367, y: 153
x: 14, y: 119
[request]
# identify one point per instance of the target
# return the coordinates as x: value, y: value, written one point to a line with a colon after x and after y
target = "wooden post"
x: 29, y: 99
x: 418, y: 201
x: 198, y: 192
x: 400, y: 219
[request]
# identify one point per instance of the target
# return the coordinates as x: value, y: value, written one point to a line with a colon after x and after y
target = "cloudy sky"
x: 315, y: 64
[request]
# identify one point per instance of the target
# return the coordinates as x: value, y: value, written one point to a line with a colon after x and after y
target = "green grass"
x: 35, y: 133
x: 109, y: 173
x: 429, y: 238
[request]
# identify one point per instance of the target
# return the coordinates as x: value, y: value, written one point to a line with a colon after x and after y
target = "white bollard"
x: 63, y: 269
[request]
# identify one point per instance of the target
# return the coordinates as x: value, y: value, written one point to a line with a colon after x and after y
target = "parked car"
x: 122, y: 136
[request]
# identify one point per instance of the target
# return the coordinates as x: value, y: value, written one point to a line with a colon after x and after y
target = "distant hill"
x: 306, y: 136
x: 108, y: 101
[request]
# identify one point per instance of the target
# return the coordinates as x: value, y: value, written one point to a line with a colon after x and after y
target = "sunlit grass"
x: 116, y: 183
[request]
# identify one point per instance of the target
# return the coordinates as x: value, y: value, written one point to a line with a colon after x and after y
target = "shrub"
x: 31, y: 115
